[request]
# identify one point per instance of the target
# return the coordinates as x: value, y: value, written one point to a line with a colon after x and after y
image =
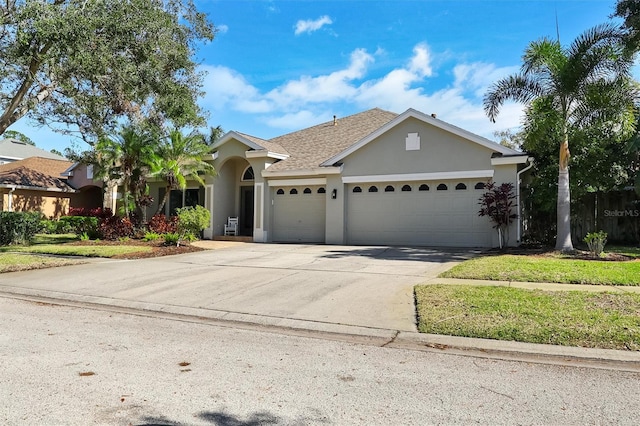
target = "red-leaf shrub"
x: 115, y: 227
x: 98, y: 212
x: 161, y: 225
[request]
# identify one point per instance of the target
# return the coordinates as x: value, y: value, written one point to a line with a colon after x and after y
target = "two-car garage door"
x: 417, y: 214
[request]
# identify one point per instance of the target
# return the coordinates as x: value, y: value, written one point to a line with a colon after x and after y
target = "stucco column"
x: 335, y: 211
x: 261, y: 201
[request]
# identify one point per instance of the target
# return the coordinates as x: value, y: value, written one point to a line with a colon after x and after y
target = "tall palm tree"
x: 125, y: 156
x: 587, y: 82
x: 178, y: 159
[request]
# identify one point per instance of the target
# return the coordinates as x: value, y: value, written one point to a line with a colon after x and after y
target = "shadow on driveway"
x: 417, y: 254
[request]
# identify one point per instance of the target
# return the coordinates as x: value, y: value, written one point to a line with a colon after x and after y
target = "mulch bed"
x: 158, y: 248
x: 550, y: 252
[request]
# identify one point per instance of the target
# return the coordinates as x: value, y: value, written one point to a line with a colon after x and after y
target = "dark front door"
x: 246, y: 210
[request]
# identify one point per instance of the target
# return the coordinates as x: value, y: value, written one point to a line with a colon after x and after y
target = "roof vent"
x: 335, y: 122
x: 433, y: 115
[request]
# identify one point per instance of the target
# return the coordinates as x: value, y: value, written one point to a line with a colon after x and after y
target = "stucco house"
x: 373, y: 178
x: 40, y: 184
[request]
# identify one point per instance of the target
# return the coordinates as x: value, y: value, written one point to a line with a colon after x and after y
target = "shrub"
x: 97, y: 212
x: 80, y: 225
x: 54, y: 227
x: 151, y: 236
x: 596, y: 242
x: 161, y: 225
x: 191, y: 221
x: 171, y: 238
x: 497, y: 204
x: 19, y: 227
x: 115, y: 228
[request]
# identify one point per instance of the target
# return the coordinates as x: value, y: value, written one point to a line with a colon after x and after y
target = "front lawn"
x: 599, y: 320
x: 11, y: 262
x: 547, y: 268
x: 97, y: 250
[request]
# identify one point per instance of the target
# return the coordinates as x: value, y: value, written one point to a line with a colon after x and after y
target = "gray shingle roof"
x: 16, y: 150
x: 310, y: 147
x: 269, y: 146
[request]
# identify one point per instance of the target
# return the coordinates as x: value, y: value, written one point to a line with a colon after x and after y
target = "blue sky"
x: 279, y: 66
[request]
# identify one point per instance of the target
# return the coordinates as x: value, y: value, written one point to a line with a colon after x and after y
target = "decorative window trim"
x: 244, y: 173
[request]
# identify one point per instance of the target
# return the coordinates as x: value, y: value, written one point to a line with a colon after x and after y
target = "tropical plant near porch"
x: 180, y: 158
x: 585, y: 83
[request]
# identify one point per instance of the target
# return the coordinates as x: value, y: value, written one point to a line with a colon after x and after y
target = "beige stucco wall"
x: 440, y: 151
x: 51, y: 204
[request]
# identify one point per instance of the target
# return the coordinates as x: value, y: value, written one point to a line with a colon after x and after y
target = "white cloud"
x: 222, y: 28
x: 309, y: 25
x: 305, y: 101
x: 324, y: 88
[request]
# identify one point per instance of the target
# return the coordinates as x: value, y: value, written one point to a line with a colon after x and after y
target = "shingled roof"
x: 36, y: 173
x: 16, y: 150
x: 308, y: 148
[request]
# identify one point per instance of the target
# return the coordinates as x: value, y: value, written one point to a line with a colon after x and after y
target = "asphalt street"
x: 73, y: 366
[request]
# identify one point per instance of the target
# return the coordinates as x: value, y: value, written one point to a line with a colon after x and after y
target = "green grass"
x: 10, y: 262
x: 600, y: 320
x: 73, y: 250
x: 54, y: 238
x: 624, y: 250
x: 547, y: 269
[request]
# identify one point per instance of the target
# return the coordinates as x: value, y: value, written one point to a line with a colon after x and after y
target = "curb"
x: 453, y: 345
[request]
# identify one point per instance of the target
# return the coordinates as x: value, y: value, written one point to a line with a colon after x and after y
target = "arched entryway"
x: 233, y: 193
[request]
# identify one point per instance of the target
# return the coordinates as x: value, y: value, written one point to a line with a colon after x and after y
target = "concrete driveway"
x: 361, y: 286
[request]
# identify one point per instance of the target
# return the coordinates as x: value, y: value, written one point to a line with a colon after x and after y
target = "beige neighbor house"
x: 39, y: 184
x: 373, y: 178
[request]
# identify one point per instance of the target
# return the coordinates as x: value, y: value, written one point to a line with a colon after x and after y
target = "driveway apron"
x: 361, y: 286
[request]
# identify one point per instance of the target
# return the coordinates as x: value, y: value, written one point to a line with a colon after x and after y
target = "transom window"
x: 373, y: 188
x: 479, y: 185
x: 307, y: 191
x: 321, y: 190
x: 461, y: 186
x: 280, y: 191
x: 406, y: 188
x: 248, y: 174
x: 293, y: 191
x: 423, y: 187
x: 357, y: 189
x: 389, y: 188
x: 442, y: 187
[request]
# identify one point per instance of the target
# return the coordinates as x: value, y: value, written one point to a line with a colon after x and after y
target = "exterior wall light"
x: 334, y: 193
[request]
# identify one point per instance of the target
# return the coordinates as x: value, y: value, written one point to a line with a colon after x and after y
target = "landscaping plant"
x: 18, y: 227
x: 596, y: 242
x: 191, y: 221
x: 497, y: 204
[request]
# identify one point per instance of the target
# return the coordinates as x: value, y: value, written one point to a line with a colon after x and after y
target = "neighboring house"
x: 14, y: 150
x: 373, y: 178
x: 38, y: 184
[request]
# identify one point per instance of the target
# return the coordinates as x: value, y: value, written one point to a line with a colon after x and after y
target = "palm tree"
x: 125, y: 156
x: 178, y: 159
x: 585, y: 83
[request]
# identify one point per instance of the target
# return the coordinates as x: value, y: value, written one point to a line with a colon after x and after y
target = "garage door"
x: 417, y: 214
x: 299, y: 214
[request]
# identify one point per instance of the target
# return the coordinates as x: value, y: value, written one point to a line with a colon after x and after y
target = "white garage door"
x: 417, y: 214
x: 299, y: 214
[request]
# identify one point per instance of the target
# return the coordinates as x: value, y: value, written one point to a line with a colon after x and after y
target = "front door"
x: 246, y: 210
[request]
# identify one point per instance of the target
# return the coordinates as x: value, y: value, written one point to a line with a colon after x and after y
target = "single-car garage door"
x: 299, y: 214
x: 417, y: 214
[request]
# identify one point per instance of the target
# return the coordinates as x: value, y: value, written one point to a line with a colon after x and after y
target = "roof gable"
x: 412, y: 113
